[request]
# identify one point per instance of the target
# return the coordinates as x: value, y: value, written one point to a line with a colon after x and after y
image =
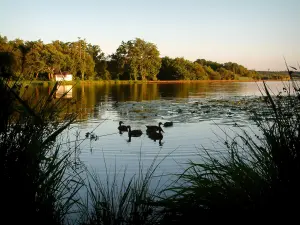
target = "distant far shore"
x: 142, y: 82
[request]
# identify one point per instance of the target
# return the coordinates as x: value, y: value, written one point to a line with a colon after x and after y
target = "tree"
x: 34, y: 61
x: 213, y: 75
x: 17, y: 50
x: 167, y: 71
x: 199, y: 72
x: 226, y: 74
x: 180, y: 69
x: 137, y: 59
x: 53, y: 59
x: 214, y: 65
x: 101, y: 65
x: 6, y: 64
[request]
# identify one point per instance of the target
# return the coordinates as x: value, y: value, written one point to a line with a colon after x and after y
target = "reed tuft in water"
x: 258, y: 174
x: 120, y: 200
x: 38, y: 182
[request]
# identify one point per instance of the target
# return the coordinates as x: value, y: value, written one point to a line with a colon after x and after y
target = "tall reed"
x: 258, y: 174
x: 38, y: 184
x: 117, y: 199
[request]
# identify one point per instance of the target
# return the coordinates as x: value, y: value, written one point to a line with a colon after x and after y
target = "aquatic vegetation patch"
x: 194, y: 110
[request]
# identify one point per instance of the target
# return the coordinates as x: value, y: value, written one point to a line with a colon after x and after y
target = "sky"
x: 255, y: 33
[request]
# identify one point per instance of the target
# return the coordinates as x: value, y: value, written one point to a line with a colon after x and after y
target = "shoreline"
x: 144, y: 82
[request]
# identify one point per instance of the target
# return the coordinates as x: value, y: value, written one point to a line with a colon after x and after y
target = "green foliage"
x: 133, y: 60
x: 273, y: 75
x: 239, y: 70
x: 137, y: 60
x: 6, y: 64
x: 33, y: 58
x: 101, y: 65
x: 213, y: 75
x: 214, y: 65
x: 226, y: 74
x: 180, y: 69
x: 36, y: 174
x: 226, y: 71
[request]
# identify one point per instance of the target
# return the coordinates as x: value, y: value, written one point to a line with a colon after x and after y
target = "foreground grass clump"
x: 258, y: 174
x: 37, y: 184
x: 121, y: 201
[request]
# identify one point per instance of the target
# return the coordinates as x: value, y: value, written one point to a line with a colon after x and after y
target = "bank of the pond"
x: 27, y: 82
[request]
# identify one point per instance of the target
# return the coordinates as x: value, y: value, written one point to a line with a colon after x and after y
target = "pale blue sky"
x: 254, y: 33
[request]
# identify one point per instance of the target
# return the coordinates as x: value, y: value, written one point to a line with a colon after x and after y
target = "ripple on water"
x: 196, y: 124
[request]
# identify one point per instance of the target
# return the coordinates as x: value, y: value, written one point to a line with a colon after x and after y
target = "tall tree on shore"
x: 180, y: 69
x: 16, y: 49
x: 137, y: 59
x: 83, y: 60
x: 34, y: 60
x: 101, y: 67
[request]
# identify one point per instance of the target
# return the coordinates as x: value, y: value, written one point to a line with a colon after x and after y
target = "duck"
x: 122, y: 127
x: 134, y: 133
x: 156, y: 135
x: 154, y: 128
x: 168, y: 124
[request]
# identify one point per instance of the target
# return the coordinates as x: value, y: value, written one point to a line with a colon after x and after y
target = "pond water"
x: 199, y: 112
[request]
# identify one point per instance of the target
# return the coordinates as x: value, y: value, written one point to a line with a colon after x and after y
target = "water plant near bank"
x: 259, y: 173
x: 38, y: 184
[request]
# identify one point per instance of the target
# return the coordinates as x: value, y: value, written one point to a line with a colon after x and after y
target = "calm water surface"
x: 199, y: 112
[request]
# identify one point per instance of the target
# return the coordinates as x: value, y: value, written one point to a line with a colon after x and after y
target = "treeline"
x: 182, y: 69
x: 133, y: 60
x: 274, y: 75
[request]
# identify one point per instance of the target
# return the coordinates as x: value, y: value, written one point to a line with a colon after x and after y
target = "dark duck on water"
x: 154, y: 128
x: 122, y: 128
x: 134, y: 133
x: 154, y: 135
x: 168, y: 124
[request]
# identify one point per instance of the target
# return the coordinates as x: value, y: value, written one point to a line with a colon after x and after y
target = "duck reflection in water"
x: 154, y: 135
